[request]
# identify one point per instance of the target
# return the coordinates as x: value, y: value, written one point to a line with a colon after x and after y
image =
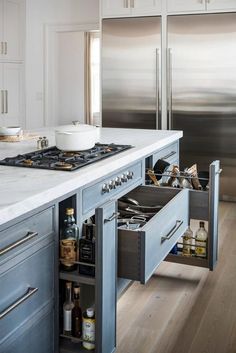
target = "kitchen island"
x: 32, y: 209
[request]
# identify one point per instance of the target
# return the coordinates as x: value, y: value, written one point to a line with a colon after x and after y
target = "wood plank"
x: 184, y: 309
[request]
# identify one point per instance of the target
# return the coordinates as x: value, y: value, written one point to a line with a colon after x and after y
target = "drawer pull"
x: 172, y: 231
x: 28, y: 294
x: 169, y: 155
x: 28, y: 237
x: 110, y: 219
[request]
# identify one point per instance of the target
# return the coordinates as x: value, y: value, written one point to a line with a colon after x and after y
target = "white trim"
x: 49, y: 32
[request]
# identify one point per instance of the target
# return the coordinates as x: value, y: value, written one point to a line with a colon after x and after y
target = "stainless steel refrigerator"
x: 201, y: 84
x: 131, y: 72
x: 202, y: 91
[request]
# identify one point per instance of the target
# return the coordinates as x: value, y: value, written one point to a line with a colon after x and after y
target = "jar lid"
x: 69, y: 211
x: 202, y: 224
x: 90, y: 312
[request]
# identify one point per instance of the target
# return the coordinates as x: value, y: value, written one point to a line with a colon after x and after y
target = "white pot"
x: 76, y: 138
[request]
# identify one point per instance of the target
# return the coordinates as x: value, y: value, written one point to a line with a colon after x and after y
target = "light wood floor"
x: 184, y: 309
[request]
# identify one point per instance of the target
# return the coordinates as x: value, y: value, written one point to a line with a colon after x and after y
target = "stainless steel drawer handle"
x: 110, y: 219
x: 28, y: 294
x: 169, y: 155
x: 178, y: 224
x: 12, y: 246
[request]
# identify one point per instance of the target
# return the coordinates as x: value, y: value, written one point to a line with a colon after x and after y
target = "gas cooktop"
x: 55, y: 159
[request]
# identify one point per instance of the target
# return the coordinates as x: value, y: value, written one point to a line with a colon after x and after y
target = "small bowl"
x: 9, y: 130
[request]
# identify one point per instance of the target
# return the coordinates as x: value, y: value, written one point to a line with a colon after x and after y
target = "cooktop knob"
x: 130, y: 175
x: 124, y: 178
x: 105, y: 188
x: 112, y: 184
x: 118, y: 181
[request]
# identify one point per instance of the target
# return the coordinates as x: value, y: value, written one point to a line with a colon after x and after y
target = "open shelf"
x: 67, y: 346
x: 73, y: 276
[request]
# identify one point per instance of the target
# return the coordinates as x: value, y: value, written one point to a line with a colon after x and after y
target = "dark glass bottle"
x: 87, y: 251
x: 68, y: 243
x: 76, y: 315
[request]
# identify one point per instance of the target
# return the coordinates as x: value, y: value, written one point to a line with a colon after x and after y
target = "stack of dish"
x: 10, y: 130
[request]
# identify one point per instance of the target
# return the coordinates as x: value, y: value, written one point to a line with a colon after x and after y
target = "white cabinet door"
x: 12, y: 85
x: 1, y: 95
x: 221, y: 5
x: 186, y: 5
x: 1, y: 31
x: 116, y: 8
x: 145, y: 7
x: 13, y: 26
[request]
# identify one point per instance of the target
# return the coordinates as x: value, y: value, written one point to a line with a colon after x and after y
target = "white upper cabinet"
x: 12, y: 31
x: 145, y: 7
x: 11, y: 83
x: 124, y: 8
x: 221, y: 5
x: 200, y: 5
x: 116, y: 8
x: 186, y: 5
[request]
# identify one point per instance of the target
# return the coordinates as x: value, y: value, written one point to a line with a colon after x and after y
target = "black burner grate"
x: 55, y: 159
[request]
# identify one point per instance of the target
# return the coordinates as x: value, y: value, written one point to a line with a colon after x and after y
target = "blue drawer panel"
x: 140, y: 252
x: 35, y: 271
x: 24, y: 234
x: 93, y: 195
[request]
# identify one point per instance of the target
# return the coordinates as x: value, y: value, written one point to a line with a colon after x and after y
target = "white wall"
x: 38, y: 14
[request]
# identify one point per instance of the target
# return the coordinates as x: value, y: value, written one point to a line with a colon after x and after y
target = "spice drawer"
x: 24, y: 234
x: 141, y: 251
x: 26, y: 286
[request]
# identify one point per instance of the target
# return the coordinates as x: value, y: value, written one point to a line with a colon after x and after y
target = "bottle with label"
x: 68, y: 243
x: 67, y: 311
x: 201, y: 241
x: 187, y: 242
x: 89, y: 329
x: 87, y: 251
x: 76, y: 315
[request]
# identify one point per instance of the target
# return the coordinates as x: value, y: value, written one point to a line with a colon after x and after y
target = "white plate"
x: 9, y: 130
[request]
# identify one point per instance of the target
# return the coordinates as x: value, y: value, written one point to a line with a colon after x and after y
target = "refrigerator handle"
x: 169, y: 87
x: 158, y: 108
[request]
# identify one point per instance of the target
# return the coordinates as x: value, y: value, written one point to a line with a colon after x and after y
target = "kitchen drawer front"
x: 140, y: 252
x: 25, y: 288
x: 24, y: 234
x: 36, y: 338
x: 168, y: 153
x: 93, y: 196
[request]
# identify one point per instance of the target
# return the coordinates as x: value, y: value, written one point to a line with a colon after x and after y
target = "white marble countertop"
x: 24, y: 189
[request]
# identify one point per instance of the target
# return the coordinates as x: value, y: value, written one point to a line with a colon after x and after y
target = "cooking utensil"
x: 152, y: 176
x: 9, y: 130
x: 76, y: 137
x: 129, y: 200
x: 140, y: 208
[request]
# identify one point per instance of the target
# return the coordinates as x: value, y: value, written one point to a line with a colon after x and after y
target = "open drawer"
x: 141, y: 251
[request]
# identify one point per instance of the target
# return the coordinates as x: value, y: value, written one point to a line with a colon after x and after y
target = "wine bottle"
x: 68, y: 243
x: 76, y: 315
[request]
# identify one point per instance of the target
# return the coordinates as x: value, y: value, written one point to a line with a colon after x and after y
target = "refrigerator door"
x: 202, y: 92
x: 131, y: 77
